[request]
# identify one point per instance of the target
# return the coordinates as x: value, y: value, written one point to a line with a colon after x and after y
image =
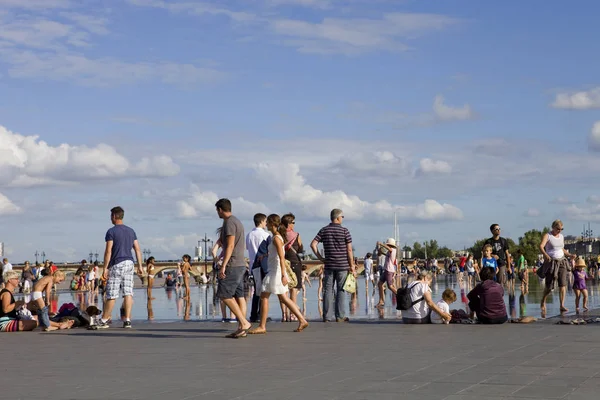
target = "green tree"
x: 418, y: 250
x: 529, y: 244
x: 407, y: 248
x: 444, y: 252
x: 432, y: 248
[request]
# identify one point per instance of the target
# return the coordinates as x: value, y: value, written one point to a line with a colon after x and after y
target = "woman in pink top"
x: 389, y: 269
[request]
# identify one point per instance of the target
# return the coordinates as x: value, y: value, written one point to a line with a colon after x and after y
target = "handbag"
x: 291, y: 275
x: 350, y: 284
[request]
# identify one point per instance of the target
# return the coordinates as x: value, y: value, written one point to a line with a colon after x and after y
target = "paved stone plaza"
x: 356, y: 360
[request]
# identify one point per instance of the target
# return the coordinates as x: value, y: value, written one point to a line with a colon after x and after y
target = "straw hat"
x: 580, y: 262
x: 391, y: 242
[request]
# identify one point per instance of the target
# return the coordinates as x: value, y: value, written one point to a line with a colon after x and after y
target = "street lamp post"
x: 146, y: 253
x: 36, y: 256
x: 43, y: 256
x: 586, y: 235
x: 91, y: 255
x: 96, y: 255
x: 206, y: 240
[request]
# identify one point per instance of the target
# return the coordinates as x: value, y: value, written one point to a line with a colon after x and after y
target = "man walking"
x: 118, y: 267
x: 499, y: 252
x: 254, y: 240
x: 231, y: 273
x: 337, y: 245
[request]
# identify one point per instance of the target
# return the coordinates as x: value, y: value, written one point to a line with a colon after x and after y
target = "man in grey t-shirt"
x: 231, y: 273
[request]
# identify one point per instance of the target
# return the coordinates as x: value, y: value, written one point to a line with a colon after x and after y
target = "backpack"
x: 404, y: 300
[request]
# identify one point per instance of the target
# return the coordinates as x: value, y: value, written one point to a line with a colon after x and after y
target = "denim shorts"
x: 43, y: 318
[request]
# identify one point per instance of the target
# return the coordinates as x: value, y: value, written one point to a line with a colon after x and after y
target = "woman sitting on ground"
x: 8, y: 306
x: 420, y: 293
x: 486, y: 300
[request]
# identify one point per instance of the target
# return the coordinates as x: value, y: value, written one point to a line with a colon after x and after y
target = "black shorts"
x: 233, y: 284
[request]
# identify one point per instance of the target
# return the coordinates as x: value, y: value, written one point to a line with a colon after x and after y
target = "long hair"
x: 275, y: 220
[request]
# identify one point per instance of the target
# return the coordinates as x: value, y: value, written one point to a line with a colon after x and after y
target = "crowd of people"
x: 275, y: 267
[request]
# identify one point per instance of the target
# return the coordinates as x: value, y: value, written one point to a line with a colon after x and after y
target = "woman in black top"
x: 8, y: 306
x: 293, y: 246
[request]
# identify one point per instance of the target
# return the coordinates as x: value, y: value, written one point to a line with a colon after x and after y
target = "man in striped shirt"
x: 337, y: 245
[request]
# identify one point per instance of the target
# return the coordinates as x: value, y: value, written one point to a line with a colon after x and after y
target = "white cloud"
x: 586, y: 214
x: 373, y: 164
x: 583, y: 100
x: 561, y: 200
x: 533, y: 212
x: 37, y: 47
x: 7, y: 207
x: 447, y: 113
x: 195, y: 8
x: 427, y: 166
x: 593, y: 199
x: 71, y: 67
x: 28, y: 160
x: 202, y: 204
x: 594, y: 138
x: 354, y: 36
x: 285, y: 180
x: 172, y: 247
x: 35, y: 4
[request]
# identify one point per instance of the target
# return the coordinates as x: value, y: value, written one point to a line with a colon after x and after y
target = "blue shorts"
x: 471, y: 273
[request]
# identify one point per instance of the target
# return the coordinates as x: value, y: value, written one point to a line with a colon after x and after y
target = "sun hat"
x: 580, y: 262
x: 391, y: 242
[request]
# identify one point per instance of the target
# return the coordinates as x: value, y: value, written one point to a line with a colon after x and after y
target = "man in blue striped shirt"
x: 338, y: 260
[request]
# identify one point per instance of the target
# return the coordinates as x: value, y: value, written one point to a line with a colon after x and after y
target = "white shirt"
x: 253, y: 241
x: 435, y: 317
x: 368, y: 265
x: 555, y: 246
x: 6, y: 267
x: 421, y: 309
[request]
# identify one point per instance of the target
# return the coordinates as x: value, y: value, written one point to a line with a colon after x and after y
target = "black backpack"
x: 403, y: 298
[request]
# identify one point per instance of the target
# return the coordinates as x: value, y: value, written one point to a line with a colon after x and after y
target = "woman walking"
x: 276, y: 280
x: 556, y: 265
x: 293, y: 246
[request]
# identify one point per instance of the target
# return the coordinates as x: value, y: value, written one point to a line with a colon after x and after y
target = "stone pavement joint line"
x: 359, y: 360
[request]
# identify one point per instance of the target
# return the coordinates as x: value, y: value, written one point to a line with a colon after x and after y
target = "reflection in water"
x: 168, y: 306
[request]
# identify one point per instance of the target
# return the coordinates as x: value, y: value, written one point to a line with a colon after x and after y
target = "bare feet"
x: 564, y: 309
x: 257, y: 331
x: 585, y: 309
x: 302, y: 326
x: 576, y: 310
x: 543, y: 310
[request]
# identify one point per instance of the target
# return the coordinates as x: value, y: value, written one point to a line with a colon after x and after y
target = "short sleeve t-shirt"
x: 233, y: 227
x: 335, y: 239
x: 499, y: 248
x: 390, y: 260
x: 421, y: 309
x: 489, y: 262
x: 122, y: 237
x: 435, y: 317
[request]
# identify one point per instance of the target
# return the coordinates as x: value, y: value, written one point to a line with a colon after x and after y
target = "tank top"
x: 13, y: 313
x: 555, y: 246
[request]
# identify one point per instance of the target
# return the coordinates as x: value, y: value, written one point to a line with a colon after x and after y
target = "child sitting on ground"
x: 448, y: 297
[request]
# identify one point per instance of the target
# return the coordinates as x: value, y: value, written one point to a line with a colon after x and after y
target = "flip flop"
x: 242, y: 333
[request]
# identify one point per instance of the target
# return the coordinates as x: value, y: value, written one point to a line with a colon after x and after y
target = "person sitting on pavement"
x: 420, y: 293
x: 486, y: 300
x: 8, y: 306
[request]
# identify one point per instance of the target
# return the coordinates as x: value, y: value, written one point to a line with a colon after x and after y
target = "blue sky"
x: 456, y: 114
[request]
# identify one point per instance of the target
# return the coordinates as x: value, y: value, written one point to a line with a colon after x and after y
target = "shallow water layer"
x: 169, y: 305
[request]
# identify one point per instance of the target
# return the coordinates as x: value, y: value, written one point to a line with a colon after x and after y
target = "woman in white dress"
x: 276, y: 280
